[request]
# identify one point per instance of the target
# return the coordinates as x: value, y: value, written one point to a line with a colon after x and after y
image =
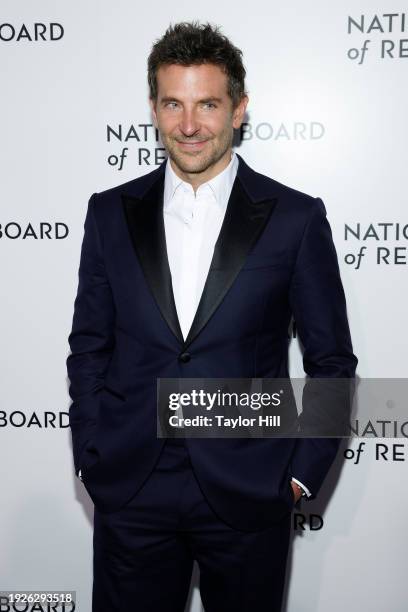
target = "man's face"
x: 194, y: 115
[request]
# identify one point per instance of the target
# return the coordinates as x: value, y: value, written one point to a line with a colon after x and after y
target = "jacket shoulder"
x: 107, y: 205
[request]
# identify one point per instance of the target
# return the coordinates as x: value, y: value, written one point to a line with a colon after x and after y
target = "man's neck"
x: 198, y: 178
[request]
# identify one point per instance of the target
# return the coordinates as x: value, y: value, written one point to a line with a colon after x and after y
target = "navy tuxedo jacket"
x: 274, y: 259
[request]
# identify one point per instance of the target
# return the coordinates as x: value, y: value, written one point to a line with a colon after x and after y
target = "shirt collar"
x: 220, y: 185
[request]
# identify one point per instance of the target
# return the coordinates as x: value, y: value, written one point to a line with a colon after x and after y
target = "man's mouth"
x: 191, y: 145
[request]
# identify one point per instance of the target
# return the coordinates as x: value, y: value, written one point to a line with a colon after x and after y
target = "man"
x: 196, y: 270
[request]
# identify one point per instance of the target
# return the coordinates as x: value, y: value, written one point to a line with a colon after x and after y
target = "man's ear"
x: 153, y: 109
x: 238, y: 113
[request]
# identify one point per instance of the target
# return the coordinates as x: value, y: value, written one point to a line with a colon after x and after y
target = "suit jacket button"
x: 184, y: 357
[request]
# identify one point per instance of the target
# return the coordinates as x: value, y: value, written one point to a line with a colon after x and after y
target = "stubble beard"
x: 198, y: 161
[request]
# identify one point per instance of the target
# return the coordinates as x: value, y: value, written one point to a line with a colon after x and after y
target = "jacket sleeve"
x: 319, y: 308
x: 91, y: 339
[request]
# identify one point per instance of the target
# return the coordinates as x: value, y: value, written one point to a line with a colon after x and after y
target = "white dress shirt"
x: 192, y: 222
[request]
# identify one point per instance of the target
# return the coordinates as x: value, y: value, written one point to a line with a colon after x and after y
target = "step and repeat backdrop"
x: 328, y: 116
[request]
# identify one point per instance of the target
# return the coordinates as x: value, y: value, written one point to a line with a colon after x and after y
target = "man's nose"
x: 189, y: 124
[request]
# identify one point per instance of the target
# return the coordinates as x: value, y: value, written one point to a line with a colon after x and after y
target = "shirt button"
x: 184, y: 357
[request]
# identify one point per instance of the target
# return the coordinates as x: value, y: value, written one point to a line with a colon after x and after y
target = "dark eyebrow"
x: 210, y: 100
x: 164, y: 100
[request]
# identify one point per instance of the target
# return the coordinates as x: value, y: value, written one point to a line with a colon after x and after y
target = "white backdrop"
x: 319, y: 121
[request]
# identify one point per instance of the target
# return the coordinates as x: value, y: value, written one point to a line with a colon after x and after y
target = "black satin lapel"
x: 242, y: 226
x: 146, y: 226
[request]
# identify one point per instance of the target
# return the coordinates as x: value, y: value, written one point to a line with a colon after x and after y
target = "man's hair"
x: 189, y: 43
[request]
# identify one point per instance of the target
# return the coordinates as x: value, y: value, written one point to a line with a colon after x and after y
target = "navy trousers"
x: 144, y: 553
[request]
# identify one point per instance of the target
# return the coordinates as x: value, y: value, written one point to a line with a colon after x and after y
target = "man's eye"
x: 171, y: 104
x: 209, y: 105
